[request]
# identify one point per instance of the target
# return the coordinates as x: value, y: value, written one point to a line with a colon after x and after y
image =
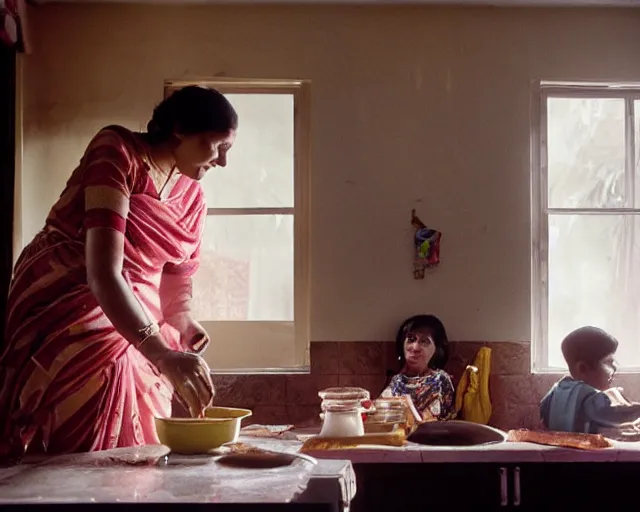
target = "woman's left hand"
x: 193, y: 337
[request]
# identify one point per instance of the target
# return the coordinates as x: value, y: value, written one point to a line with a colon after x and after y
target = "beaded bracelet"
x: 147, y: 332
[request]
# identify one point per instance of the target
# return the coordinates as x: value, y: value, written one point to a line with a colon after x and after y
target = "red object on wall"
x: 9, y: 22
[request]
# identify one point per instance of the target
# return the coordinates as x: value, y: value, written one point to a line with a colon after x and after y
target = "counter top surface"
x: 95, y: 477
x: 505, y: 453
x: 105, y: 477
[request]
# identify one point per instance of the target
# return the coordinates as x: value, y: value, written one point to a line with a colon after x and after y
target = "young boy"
x: 582, y: 402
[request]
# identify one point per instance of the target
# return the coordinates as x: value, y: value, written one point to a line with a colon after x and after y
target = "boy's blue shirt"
x: 574, y: 406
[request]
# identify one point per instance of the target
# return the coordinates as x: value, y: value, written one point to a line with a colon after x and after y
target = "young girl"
x: 423, y: 350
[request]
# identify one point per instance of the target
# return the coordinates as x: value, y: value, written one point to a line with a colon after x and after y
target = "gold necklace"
x: 173, y: 168
x: 157, y: 174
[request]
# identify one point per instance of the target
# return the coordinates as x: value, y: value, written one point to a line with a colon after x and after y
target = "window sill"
x: 304, y: 370
x: 564, y: 371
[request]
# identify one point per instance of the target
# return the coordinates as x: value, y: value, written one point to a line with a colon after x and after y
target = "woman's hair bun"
x: 190, y: 110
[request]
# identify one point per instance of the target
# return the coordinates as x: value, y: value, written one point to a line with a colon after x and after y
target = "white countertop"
x: 504, y: 453
x: 96, y: 478
x: 89, y: 478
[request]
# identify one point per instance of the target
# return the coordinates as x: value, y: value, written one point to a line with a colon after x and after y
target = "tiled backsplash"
x: 515, y: 392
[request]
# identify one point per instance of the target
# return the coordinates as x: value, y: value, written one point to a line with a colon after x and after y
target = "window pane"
x: 246, y: 269
x: 594, y: 279
x: 585, y: 147
x: 259, y: 172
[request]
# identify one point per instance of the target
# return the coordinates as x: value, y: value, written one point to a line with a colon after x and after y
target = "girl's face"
x: 419, y: 348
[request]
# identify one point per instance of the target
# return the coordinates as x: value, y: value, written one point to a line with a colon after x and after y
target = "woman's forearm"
x: 104, y: 253
x: 119, y: 304
x: 122, y: 308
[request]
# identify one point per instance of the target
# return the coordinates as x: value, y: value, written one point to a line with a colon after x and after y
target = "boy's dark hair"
x: 440, y: 339
x: 587, y: 345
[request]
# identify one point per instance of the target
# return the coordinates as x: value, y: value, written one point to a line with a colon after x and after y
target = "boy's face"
x: 599, y: 375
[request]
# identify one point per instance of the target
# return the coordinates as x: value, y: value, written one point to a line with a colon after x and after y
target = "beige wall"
x: 423, y: 108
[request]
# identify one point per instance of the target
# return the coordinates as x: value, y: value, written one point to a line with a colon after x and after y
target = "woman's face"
x: 419, y: 348
x: 197, y: 153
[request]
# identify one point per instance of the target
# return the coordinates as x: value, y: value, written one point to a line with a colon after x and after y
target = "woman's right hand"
x: 191, y: 379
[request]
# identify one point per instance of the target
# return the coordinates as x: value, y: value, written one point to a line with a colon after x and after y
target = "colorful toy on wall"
x: 426, y: 247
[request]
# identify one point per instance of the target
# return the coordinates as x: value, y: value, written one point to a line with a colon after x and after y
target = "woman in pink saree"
x: 99, y: 333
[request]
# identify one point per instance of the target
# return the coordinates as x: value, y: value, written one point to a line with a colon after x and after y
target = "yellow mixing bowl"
x: 191, y: 436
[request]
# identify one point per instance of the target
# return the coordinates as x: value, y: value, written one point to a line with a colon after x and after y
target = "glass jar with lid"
x: 342, y: 410
x: 388, y: 414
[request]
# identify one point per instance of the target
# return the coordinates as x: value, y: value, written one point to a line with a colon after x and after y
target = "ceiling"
x: 504, y: 3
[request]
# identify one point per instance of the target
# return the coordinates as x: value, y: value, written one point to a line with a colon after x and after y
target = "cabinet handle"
x: 504, y: 488
x: 516, y: 487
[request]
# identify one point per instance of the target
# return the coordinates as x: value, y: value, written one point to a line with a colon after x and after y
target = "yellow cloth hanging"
x: 473, y: 402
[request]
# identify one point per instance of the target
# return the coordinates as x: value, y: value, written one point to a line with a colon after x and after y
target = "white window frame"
x: 540, y: 211
x: 300, y: 89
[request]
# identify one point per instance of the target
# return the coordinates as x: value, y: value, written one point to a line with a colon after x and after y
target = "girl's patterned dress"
x: 432, y: 394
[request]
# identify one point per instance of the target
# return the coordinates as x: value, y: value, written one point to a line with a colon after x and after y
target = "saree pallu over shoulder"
x: 67, y: 377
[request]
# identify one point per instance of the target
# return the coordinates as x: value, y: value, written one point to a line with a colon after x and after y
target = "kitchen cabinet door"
x: 418, y: 487
x: 569, y: 486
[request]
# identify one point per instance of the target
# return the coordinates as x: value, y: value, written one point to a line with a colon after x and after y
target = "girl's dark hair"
x: 415, y: 323
x: 192, y: 109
